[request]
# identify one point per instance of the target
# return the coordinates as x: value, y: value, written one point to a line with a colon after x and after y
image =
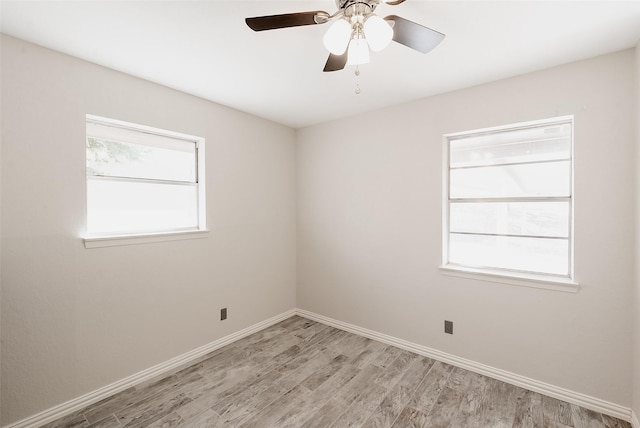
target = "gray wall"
x: 73, y: 319
x: 369, y: 229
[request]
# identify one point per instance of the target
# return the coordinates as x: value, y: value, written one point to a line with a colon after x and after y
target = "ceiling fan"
x: 356, y: 30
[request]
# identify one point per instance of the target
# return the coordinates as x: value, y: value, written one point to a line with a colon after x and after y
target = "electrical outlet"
x: 448, y: 327
x: 223, y: 314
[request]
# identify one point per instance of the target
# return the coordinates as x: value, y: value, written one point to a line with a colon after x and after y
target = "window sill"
x: 114, y: 241
x: 521, y: 279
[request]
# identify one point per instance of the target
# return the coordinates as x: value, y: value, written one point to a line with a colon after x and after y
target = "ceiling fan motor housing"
x: 357, y: 7
x: 343, y: 4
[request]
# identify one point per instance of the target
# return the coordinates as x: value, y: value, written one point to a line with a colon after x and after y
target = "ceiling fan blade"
x: 336, y: 62
x: 414, y: 35
x: 395, y: 3
x: 272, y: 22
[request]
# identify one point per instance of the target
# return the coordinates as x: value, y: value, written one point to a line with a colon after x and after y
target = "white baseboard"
x: 78, y: 403
x: 635, y: 423
x: 569, y: 396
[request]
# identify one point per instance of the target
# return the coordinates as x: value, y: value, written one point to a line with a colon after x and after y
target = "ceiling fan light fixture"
x: 378, y: 33
x: 346, y: 38
x: 337, y: 37
x: 358, y: 52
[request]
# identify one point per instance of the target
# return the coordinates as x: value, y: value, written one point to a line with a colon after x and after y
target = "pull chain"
x: 357, y: 73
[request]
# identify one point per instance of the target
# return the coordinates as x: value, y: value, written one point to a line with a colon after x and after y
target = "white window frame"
x: 97, y: 241
x: 538, y: 280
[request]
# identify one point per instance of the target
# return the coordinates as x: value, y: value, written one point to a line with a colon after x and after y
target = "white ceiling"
x: 204, y: 48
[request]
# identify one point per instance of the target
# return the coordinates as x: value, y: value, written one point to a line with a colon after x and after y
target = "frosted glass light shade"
x: 358, y: 52
x: 378, y: 33
x: 337, y: 37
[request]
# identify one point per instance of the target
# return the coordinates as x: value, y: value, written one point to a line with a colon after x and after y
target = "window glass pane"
x: 123, y: 159
x: 523, y: 254
x: 527, y: 180
x: 136, y: 134
x: 120, y: 206
x: 549, y: 219
x: 514, y: 146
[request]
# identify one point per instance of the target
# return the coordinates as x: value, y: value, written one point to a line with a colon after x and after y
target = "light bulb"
x: 337, y: 37
x: 358, y: 52
x: 378, y: 33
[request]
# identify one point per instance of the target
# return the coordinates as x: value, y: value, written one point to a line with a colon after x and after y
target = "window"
x: 508, y: 206
x: 142, y: 180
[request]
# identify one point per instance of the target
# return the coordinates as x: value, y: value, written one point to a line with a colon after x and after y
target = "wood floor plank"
x: 249, y: 405
x: 206, y: 419
x: 287, y: 355
x: 387, y: 356
x: 351, y: 345
x: 305, y: 406
x: 156, y: 408
x: 244, y: 392
x: 353, y: 416
x: 301, y: 373
x: 445, y: 409
x: 303, y: 366
x: 396, y: 369
x: 327, y: 390
x: 390, y: 407
x: 470, y: 413
x: 230, y: 382
x: 367, y: 354
x: 274, y: 347
x: 321, y: 375
x: 411, y: 418
x: 217, y: 367
x: 555, y: 410
x: 611, y: 422
x: 585, y: 418
x: 325, y: 342
x: 396, y: 400
x: 108, y: 422
x: 529, y: 411
x: 171, y: 420
x: 499, y: 404
x: 194, y: 408
x: 361, y: 407
x: 128, y: 397
x: 224, y: 382
x: 416, y: 372
x: 261, y: 337
x: 105, y: 408
x: 75, y: 420
x: 269, y: 415
x: 554, y: 424
x: 326, y: 415
x: 460, y: 379
x: 235, y: 354
x: 433, y: 383
x: 358, y: 385
x: 292, y: 374
x: 371, y: 397
x: 308, y: 330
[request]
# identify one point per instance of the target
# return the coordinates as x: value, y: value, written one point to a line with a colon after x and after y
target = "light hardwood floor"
x: 300, y: 373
